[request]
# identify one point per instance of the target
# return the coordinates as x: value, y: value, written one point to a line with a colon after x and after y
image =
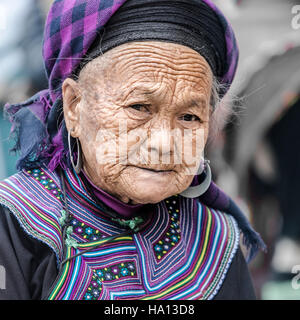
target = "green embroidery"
x: 70, y: 242
x: 64, y: 216
x: 133, y: 224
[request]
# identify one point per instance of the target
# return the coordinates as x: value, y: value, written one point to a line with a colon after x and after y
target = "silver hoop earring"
x: 197, y: 191
x: 78, y: 166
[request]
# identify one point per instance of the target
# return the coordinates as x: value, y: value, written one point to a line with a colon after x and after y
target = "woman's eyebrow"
x: 198, y: 102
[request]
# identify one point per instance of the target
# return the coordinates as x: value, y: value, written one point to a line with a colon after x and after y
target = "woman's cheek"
x: 189, y: 147
x: 104, y: 148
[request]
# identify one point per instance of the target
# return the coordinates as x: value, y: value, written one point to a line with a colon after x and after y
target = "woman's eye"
x: 140, y: 107
x: 189, y: 117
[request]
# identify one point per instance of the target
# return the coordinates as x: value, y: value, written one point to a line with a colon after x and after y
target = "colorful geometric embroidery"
x: 46, y: 181
x: 195, y: 268
x: 85, y: 231
x: 94, y: 289
x: 115, y: 272
x: 172, y: 236
x: 202, y: 242
x: 27, y: 198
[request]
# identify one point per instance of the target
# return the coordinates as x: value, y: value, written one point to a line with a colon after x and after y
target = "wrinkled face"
x: 141, y: 112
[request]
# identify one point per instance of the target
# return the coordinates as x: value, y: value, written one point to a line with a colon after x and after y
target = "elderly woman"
x: 113, y: 199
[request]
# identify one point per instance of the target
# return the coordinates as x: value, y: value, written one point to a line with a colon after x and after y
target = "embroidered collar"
x: 184, y: 252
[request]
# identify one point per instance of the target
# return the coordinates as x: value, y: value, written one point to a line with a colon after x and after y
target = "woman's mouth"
x: 155, y: 170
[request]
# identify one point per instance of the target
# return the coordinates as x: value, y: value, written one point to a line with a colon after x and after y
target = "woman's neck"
x: 126, y: 209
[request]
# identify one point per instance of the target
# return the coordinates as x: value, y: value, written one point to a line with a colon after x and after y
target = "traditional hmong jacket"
x: 183, y: 252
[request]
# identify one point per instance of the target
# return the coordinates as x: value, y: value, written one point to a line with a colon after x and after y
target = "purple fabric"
x: 215, y: 198
x: 28, y: 125
x: 39, y: 105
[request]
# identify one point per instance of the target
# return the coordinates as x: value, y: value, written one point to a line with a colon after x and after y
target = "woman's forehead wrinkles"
x: 124, y: 72
x: 120, y: 89
x: 163, y: 49
x: 169, y: 54
x: 171, y: 66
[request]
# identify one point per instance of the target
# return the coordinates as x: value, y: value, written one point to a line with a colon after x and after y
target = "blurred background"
x: 255, y: 159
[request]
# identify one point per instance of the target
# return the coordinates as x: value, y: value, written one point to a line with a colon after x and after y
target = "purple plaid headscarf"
x: 72, y: 27
x: 70, y: 30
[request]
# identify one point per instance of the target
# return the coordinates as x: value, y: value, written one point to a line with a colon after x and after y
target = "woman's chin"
x: 148, y: 186
x: 145, y: 199
x: 149, y: 193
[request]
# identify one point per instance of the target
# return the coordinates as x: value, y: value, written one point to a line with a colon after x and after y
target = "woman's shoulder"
x: 25, y: 180
x: 33, y: 197
x: 30, y: 266
x: 36, y: 185
x: 223, y: 234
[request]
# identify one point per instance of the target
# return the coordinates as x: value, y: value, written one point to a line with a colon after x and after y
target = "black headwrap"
x: 185, y: 22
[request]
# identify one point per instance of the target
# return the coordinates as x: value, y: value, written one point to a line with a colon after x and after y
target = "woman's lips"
x: 160, y: 172
x: 156, y: 171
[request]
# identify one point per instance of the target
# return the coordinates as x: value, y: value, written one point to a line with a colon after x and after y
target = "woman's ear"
x: 71, y: 101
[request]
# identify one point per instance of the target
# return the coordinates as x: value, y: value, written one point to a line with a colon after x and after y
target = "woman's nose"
x: 160, y: 145
x: 159, y: 141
